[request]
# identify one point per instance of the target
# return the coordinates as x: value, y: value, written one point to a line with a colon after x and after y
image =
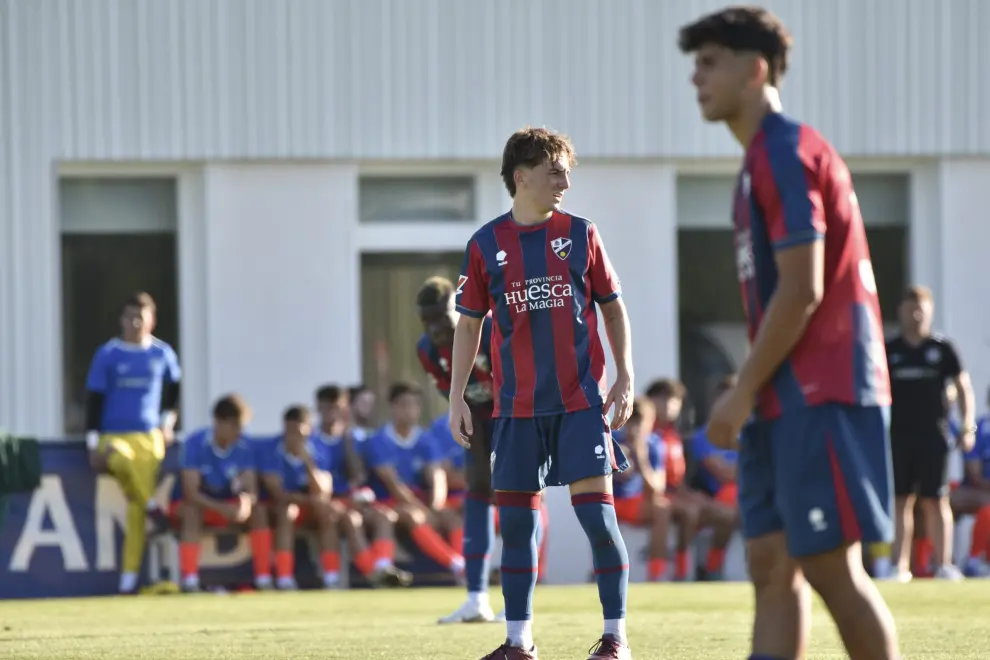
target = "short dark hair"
x: 666, y: 387
x: 530, y: 147
x: 918, y: 294
x: 139, y: 300
x: 642, y: 410
x: 434, y: 291
x: 330, y: 394
x: 231, y: 408
x: 403, y: 388
x: 742, y: 28
x: 297, y: 413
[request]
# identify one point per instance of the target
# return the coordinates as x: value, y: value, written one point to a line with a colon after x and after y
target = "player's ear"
x: 759, y: 70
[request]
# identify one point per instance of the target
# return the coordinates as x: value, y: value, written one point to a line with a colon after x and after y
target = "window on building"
x: 712, y: 326
x: 118, y: 237
x: 416, y: 199
x: 389, y: 322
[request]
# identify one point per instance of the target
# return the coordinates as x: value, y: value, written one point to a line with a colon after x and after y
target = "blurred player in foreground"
x: 294, y: 471
x: 356, y: 519
x: 814, y: 464
x: 542, y: 273
x: 639, y: 491
x: 218, y: 487
x: 132, y: 394
x: 435, y: 302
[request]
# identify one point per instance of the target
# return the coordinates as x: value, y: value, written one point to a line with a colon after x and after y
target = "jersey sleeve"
x: 604, y: 281
x: 432, y: 448
x: 701, y: 447
x: 951, y: 364
x: 96, y: 379
x: 376, y: 453
x: 188, y: 452
x: 472, y: 285
x: 266, y: 456
x: 982, y: 439
x: 658, y: 453
x: 789, y: 193
x: 440, y: 378
x: 173, y: 372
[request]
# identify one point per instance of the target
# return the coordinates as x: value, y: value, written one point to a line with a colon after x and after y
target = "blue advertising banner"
x: 64, y: 538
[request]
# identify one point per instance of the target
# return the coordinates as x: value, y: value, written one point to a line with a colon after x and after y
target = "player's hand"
x: 461, y: 424
x: 242, y: 509
x: 966, y: 440
x: 621, y: 397
x: 168, y: 434
x: 730, y: 412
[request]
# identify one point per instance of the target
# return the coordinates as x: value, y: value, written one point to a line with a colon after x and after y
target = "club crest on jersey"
x: 561, y: 247
x: 461, y: 281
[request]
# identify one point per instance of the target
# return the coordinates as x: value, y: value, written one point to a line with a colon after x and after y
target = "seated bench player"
x: 358, y: 521
x: 667, y: 396
x: 973, y: 497
x: 407, y: 478
x: 639, y: 491
x: 716, y: 481
x: 295, y: 474
x: 218, y: 487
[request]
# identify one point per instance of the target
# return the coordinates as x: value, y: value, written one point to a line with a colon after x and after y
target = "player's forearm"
x: 966, y: 400
x: 94, y: 418
x: 467, y: 339
x: 784, y: 323
x: 619, y: 335
x: 438, y: 491
x: 356, y: 474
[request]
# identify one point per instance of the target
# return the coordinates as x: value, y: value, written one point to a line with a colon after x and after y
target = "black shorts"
x: 478, y: 461
x: 921, y: 464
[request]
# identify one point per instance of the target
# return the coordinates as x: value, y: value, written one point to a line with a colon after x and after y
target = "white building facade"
x: 299, y: 137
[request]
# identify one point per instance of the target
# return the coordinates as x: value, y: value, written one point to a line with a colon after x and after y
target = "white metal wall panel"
x: 191, y: 79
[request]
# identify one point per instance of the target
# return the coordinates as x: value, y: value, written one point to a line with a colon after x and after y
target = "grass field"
x: 670, y: 622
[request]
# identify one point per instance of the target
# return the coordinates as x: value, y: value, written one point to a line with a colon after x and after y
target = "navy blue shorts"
x: 822, y: 475
x: 529, y: 454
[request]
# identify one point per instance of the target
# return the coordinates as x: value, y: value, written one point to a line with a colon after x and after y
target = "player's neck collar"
x: 400, y: 439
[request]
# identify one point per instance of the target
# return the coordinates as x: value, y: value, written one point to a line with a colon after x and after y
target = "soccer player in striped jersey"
x: 543, y: 273
x: 132, y: 396
x: 814, y: 463
x: 435, y: 302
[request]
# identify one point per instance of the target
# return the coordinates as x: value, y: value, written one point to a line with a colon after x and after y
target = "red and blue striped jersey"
x: 541, y: 283
x: 794, y: 189
x: 436, y: 361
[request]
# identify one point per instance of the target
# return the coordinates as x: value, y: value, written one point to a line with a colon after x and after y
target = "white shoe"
x: 899, y: 575
x: 286, y: 584
x: 948, y: 572
x: 500, y: 617
x: 470, y: 612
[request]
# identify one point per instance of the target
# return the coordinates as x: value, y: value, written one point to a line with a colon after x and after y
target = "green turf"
x: 672, y: 622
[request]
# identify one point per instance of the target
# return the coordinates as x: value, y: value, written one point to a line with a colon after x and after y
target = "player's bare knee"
x: 596, y: 484
x: 769, y: 563
x: 353, y: 519
x: 834, y: 572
